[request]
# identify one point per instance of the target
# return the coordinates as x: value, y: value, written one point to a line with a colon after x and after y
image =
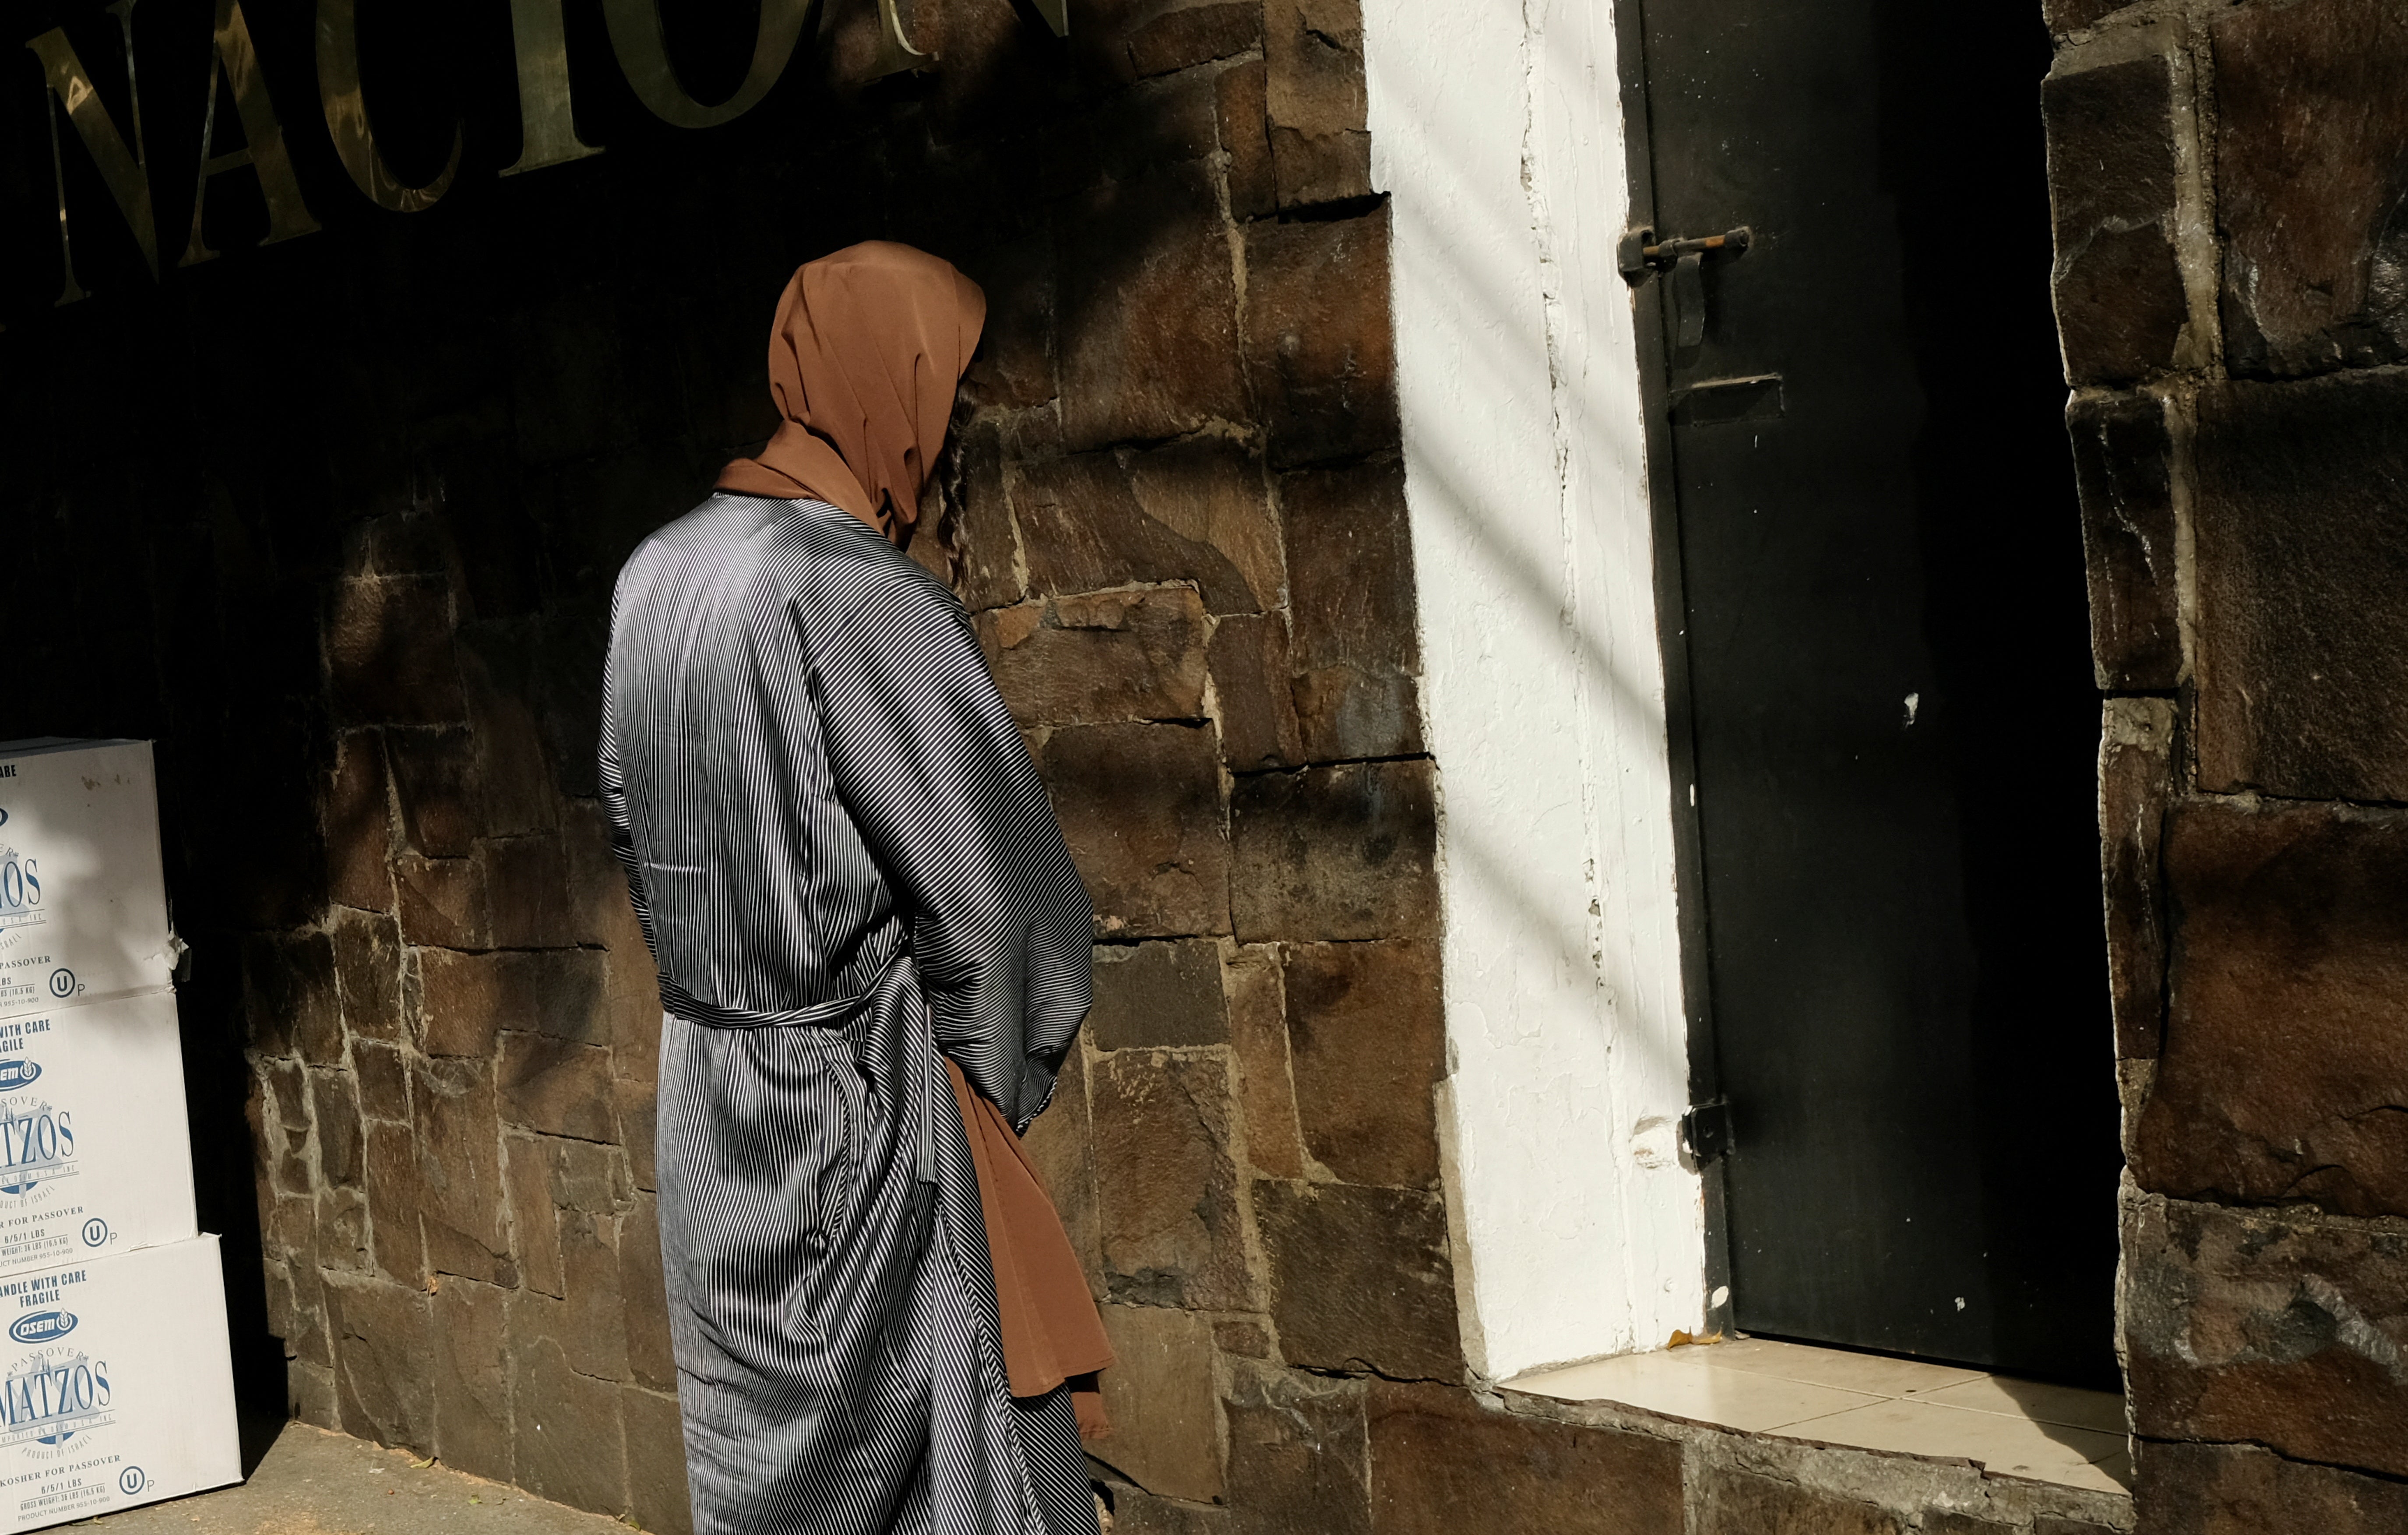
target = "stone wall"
x: 2231, y: 204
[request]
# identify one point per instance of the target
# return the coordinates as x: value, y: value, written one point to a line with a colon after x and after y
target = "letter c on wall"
x: 643, y: 54
x: 347, y: 116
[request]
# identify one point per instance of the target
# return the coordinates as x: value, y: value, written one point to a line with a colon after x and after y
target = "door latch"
x: 1706, y: 1131
x: 1642, y: 255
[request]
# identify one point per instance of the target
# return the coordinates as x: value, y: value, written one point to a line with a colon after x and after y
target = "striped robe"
x: 843, y: 861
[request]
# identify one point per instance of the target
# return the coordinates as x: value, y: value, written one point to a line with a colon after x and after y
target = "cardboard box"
x: 95, y: 1157
x: 116, y: 1384
x: 83, y: 904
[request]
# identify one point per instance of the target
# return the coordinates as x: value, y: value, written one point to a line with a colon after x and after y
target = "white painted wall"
x: 1497, y: 130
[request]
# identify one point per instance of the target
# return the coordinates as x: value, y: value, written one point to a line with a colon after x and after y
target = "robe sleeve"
x: 930, y: 766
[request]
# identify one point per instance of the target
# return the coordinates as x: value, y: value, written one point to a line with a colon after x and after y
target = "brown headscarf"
x: 869, y: 348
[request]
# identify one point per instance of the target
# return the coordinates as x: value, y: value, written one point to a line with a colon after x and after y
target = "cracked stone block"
x: 383, y: 1080
x: 1172, y: 1227
x: 1165, y: 1432
x: 389, y: 657
x: 528, y: 900
x: 1298, y: 1451
x: 1738, y: 1503
x: 2114, y: 186
x: 1194, y: 35
x: 367, y: 973
x: 1253, y: 703
x: 383, y: 1390
x: 1099, y: 658
x: 2136, y: 779
x: 1355, y: 651
x: 464, y: 1000
x: 1436, y: 1452
x: 1367, y: 1035
x: 656, y: 1486
x: 291, y: 999
x: 471, y: 1369
x: 1320, y: 347
x: 460, y: 1172
x: 2302, y: 552
x: 1265, y: 1080
x: 535, y: 1232
x: 557, y: 1086
x: 358, y: 823
x: 570, y: 1438
x: 2243, y: 1489
x: 1158, y: 993
x: 2311, y: 131
x: 1244, y: 106
x: 436, y: 781
x: 1313, y: 53
x: 1361, y: 1278
x: 1196, y: 510
x: 2283, y: 1328
x: 395, y: 1197
x: 2123, y: 464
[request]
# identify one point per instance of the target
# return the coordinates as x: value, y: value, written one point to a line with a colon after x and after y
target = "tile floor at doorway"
x: 1870, y: 1401
x: 314, y: 1482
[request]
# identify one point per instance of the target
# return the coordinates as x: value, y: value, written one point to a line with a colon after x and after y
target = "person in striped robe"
x: 857, y: 897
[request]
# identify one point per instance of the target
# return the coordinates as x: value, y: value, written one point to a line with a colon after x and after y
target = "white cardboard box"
x: 83, y: 904
x: 95, y: 1157
x: 116, y: 1384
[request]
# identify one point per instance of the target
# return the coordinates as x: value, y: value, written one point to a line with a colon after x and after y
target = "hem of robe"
x: 1047, y: 1322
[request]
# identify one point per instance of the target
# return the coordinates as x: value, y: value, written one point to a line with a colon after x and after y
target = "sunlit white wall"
x: 1497, y: 130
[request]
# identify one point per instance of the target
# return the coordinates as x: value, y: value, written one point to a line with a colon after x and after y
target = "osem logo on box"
x: 51, y: 1396
x: 16, y: 1074
x: 42, y: 1326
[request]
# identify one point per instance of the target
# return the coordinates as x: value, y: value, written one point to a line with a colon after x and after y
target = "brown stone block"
x: 631, y: 990
x: 571, y: 1441
x: 558, y: 1087
x: 1436, y: 1452
x: 1737, y: 1502
x: 1356, y: 651
x: 472, y: 1379
x: 335, y: 1109
x: 465, y: 1000
x: 1313, y: 50
x: 1298, y: 1453
x: 389, y: 653
x: 1197, y: 510
x: 512, y: 771
x: 1265, y: 1085
x: 2120, y: 303
x: 990, y: 572
x: 1148, y: 312
x: 359, y: 825
x: 2285, y: 1330
x: 528, y: 895
x: 1172, y: 1224
x: 1367, y: 1033
x: 1015, y: 366
x: 384, y: 1081
x: 1361, y: 1278
x: 2241, y: 1489
x: 657, y: 1500
x: 335, y: 1232
x: 309, y: 1394
x: 1333, y: 854
x: 1159, y: 994
x: 1137, y: 1512
x: 1166, y: 1430
x: 1242, y: 1336
x: 1140, y: 809
x: 1319, y: 348
x: 1061, y: 1142
x: 292, y: 1002
x: 383, y: 1341
x: 2302, y: 550
x: 1193, y: 36
x: 2123, y: 463
x: 1948, y: 1522
x: 1253, y: 703
x: 599, y: 911
x: 2312, y: 127
x: 443, y: 901
x: 460, y: 1168
x: 1090, y: 660
x: 395, y: 1197
x: 2136, y: 774
x: 535, y: 1229
x: 434, y: 777
x: 367, y: 972
x: 2285, y: 1056
x: 1159, y: 123
x: 638, y: 1115
x: 1245, y: 138
x: 645, y: 1291
x: 595, y: 1318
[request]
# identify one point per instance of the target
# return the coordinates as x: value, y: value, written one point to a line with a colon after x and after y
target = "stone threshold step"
x: 315, y: 1482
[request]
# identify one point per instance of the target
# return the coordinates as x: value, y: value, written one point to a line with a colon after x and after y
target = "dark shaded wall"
x: 2231, y: 186
x: 336, y: 522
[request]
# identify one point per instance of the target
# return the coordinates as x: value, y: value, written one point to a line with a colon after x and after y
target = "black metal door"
x: 1888, y: 688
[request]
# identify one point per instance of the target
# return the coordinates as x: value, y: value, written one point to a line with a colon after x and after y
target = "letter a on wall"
x: 262, y: 146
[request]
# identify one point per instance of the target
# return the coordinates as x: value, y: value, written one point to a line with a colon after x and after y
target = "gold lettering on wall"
x: 346, y: 117
x: 643, y: 54
x: 125, y: 171
x: 894, y: 51
x: 263, y: 147
x: 549, y: 127
x: 1056, y: 14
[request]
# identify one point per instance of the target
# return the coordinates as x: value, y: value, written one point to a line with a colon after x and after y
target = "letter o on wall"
x: 637, y: 39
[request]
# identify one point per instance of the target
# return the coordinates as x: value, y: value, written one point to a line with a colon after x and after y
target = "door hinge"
x: 1706, y: 1131
x: 1642, y: 255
